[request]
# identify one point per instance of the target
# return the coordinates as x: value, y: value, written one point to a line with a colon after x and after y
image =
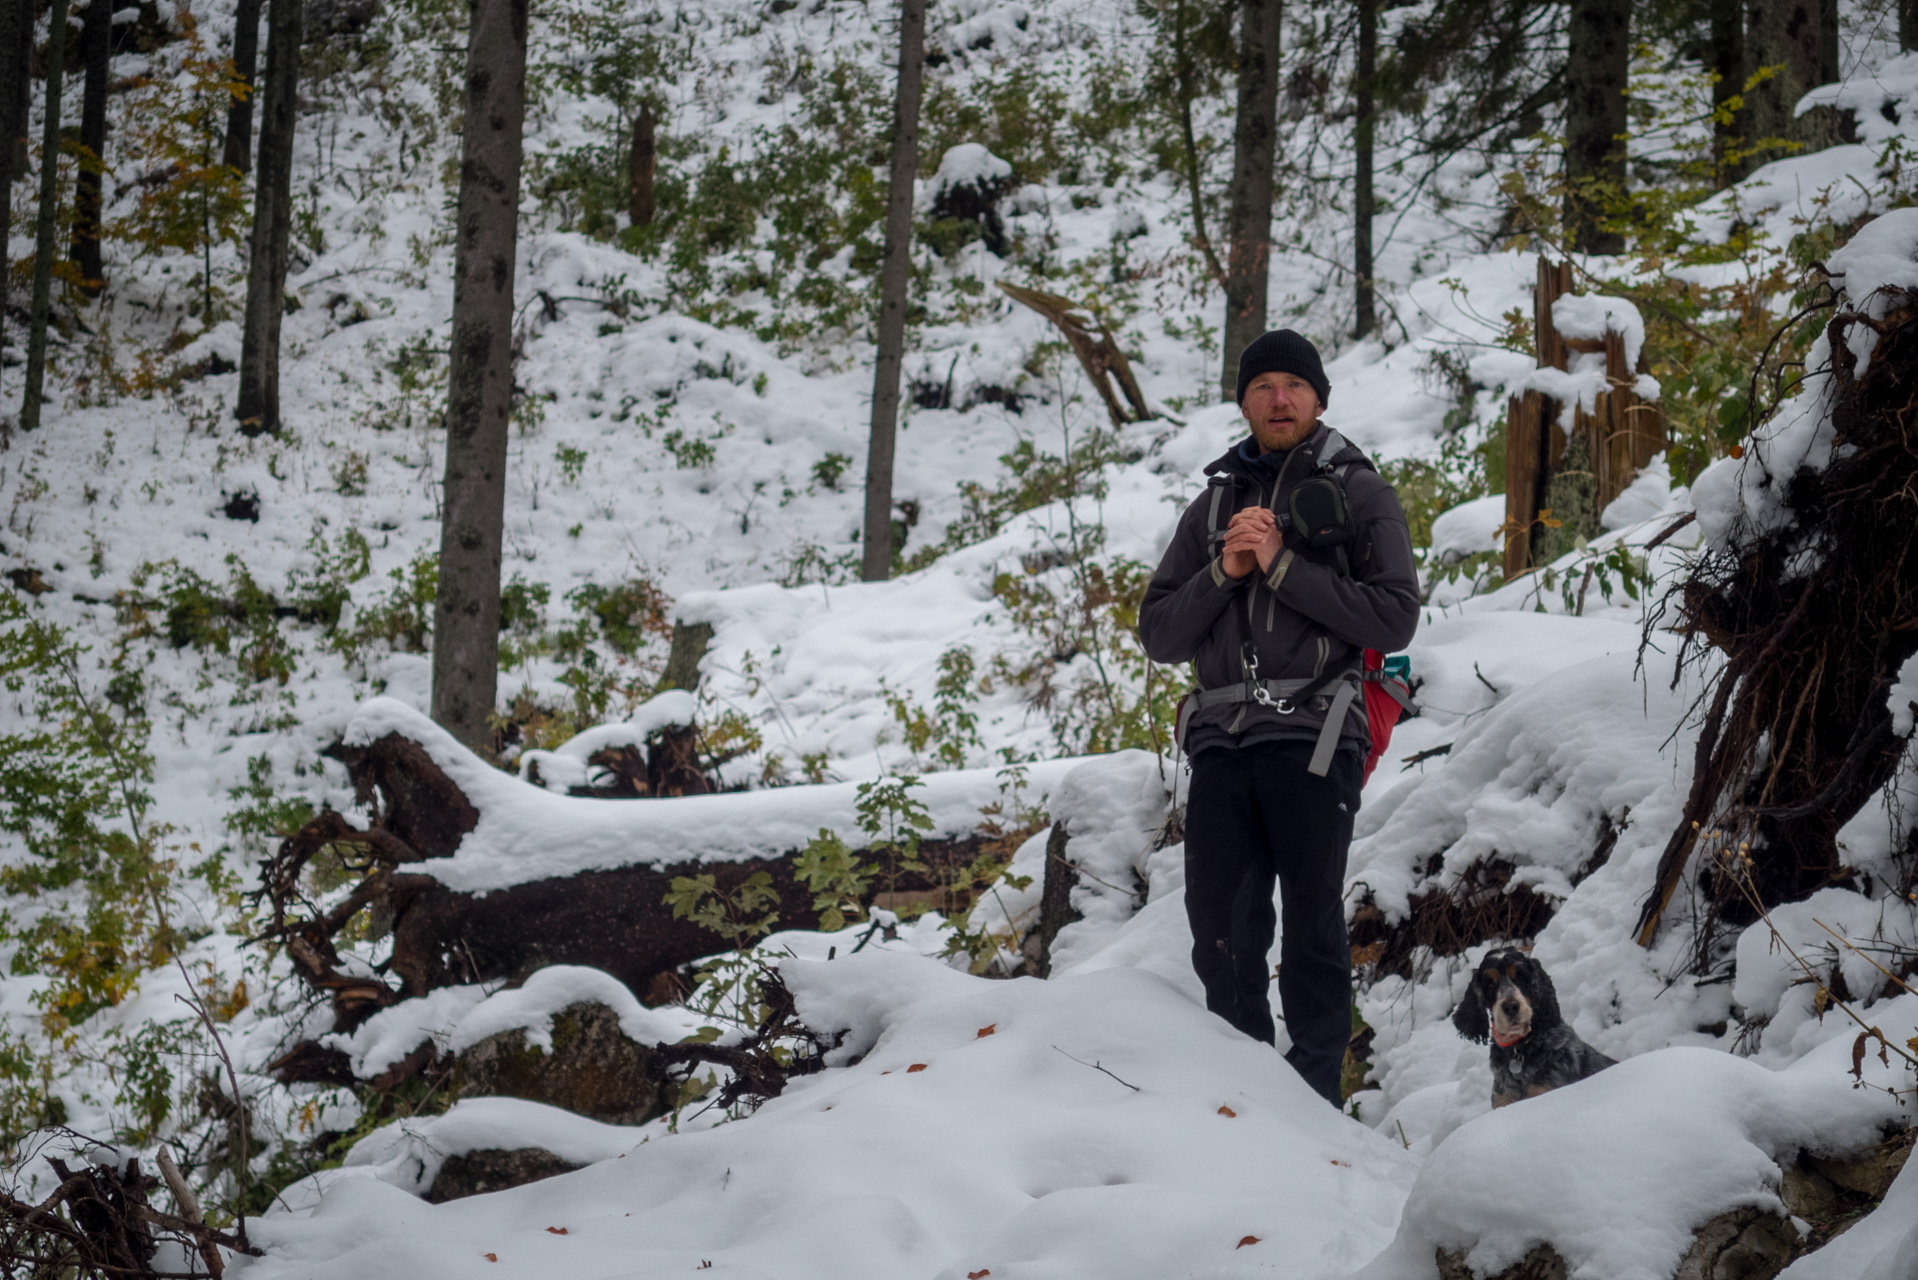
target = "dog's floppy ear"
x: 1543, y: 994
x: 1470, y: 1017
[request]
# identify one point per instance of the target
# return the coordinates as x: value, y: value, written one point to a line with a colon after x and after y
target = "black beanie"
x: 1283, y: 351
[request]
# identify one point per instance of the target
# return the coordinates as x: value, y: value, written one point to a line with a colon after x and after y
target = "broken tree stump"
x: 1555, y: 477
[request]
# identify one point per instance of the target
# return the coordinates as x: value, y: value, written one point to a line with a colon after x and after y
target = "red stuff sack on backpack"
x: 1387, y: 698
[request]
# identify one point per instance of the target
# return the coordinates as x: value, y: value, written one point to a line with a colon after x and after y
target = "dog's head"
x: 1510, y: 995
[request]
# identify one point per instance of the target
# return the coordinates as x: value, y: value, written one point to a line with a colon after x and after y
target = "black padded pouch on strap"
x: 1320, y: 514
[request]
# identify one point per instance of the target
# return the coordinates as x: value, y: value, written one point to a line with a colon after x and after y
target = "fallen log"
x: 617, y: 919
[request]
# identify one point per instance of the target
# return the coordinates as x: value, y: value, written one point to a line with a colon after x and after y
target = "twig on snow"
x: 1096, y: 1067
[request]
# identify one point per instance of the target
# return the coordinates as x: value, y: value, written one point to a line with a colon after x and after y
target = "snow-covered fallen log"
x: 482, y: 877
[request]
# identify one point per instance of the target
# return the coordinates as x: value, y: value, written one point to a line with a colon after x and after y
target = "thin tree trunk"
x: 43, y: 245
x: 15, y: 16
x: 1788, y: 36
x: 1185, y: 72
x: 259, y: 406
x: 1597, y: 71
x: 641, y: 167
x: 1249, y: 224
x: 895, y: 273
x: 1840, y: 126
x: 479, y: 390
x: 1364, y: 126
x: 238, y: 152
x: 96, y: 47
x: 22, y: 53
x: 1730, y: 71
x: 1908, y: 25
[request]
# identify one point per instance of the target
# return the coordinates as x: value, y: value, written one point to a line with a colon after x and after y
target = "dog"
x: 1512, y: 1003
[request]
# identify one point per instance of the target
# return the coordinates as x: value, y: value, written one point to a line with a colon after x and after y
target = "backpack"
x: 1318, y: 510
x: 1388, y: 700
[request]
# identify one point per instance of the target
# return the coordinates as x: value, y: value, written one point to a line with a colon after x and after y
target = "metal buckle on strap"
x: 1261, y: 694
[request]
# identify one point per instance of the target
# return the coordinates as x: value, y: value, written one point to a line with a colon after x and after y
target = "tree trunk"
x: 238, y: 153
x: 259, y: 407
x: 641, y: 168
x: 1789, y: 37
x: 1597, y: 71
x: 894, y: 275
x: 1729, y: 69
x: 1186, y: 74
x: 16, y: 17
x: 1908, y: 25
x: 96, y: 47
x: 43, y: 243
x: 479, y: 392
x: 1365, y: 314
x: 22, y: 53
x: 1249, y: 223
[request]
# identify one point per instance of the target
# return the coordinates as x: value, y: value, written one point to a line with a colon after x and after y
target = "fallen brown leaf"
x: 556, y: 1231
x: 975, y: 1275
x: 1246, y: 1240
x: 987, y: 1030
x: 490, y: 1257
x: 1227, y: 1112
x: 917, y: 1066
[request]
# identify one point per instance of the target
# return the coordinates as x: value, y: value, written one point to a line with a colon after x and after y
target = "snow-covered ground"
x: 721, y: 468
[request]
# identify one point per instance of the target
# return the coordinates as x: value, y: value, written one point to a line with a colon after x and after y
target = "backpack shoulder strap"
x: 1216, y: 519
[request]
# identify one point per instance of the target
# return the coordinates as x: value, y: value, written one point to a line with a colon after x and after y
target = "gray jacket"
x: 1303, y: 616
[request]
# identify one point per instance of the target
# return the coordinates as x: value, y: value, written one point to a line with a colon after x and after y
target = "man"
x: 1274, y: 627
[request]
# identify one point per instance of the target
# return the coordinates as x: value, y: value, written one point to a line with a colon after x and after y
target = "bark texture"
x: 1364, y: 305
x: 15, y: 27
x: 895, y: 274
x: 1788, y: 36
x: 642, y: 168
x: 1730, y: 69
x: 44, y: 234
x: 1249, y: 223
x: 96, y: 48
x: 1597, y: 70
x: 259, y: 405
x: 479, y: 394
x: 21, y: 54
x: 238, y: 151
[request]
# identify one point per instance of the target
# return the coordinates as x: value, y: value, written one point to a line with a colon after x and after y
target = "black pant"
x: 1255, y: 814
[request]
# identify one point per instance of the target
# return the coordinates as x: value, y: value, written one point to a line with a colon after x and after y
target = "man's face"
x: 1282, y: 409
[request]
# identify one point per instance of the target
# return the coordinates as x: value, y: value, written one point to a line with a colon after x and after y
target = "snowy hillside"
x: 687, y: 449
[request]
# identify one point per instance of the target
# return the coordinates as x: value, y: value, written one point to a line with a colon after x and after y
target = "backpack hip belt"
x: 1284, y: 697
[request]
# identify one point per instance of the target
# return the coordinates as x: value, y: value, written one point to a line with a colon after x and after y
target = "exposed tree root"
x: 97, y: 1225
x: 1814, y: 620
x: 1482, y: 905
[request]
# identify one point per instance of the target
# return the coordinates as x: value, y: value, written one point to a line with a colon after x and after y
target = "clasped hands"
x: 1252, y: 541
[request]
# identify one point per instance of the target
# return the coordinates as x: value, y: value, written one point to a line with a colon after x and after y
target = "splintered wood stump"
x: 1613, y: 442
